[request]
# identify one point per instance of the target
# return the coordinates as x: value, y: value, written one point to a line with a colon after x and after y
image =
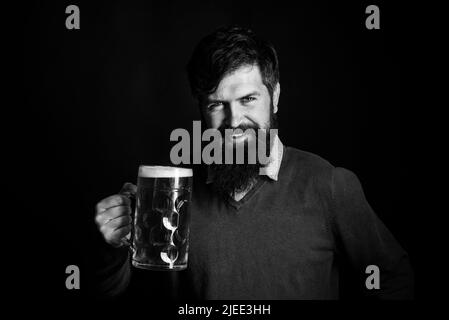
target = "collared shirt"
x: 271, y: 170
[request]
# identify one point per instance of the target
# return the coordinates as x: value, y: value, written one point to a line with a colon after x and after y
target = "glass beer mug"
x: 160, y: 236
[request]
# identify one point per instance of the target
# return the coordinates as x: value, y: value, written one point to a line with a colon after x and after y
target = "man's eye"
x: 214, y: 106
x: 248, y: 99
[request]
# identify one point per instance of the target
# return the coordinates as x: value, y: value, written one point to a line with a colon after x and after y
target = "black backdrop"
x: 103, y: 99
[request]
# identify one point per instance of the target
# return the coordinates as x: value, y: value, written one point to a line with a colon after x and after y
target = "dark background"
x: 103, y: 99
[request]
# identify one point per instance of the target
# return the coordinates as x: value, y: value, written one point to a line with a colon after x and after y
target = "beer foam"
x: 164, y: 172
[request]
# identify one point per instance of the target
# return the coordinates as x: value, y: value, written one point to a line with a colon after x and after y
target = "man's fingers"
x: 116, y: 236
x: 117, y: 223
x: 112, y: 201
x: 112, y: 213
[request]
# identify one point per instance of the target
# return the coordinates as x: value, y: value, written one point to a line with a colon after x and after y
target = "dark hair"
x: 224, y: 51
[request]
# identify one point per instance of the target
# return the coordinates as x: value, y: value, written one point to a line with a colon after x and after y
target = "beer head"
x: 164, y: 172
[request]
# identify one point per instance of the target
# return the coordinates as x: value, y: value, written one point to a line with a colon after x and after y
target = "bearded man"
x: 284, y: 234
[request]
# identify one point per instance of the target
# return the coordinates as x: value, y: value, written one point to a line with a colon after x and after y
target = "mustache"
x: 241, y: 127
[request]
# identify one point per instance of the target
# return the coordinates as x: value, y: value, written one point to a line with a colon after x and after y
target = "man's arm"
x: 364, y: 240
x: 114, y: 277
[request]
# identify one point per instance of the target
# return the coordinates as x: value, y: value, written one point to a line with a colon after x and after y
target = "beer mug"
x: 160, y: 239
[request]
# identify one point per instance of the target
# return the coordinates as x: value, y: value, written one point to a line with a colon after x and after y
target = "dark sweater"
x: 286, y: 239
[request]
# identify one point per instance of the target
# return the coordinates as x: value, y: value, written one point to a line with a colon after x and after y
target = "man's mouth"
x: 238, y: 135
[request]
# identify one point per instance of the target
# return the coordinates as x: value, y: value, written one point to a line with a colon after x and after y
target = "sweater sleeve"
x: 113, y: 277
x: 364, y: 240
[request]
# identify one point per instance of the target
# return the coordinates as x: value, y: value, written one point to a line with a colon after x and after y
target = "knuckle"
x: 98, y: 219
x: 104, y: 229
x: 98, y: 207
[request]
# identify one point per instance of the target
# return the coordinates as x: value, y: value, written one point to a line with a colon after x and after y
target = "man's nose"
x: 233, y: 116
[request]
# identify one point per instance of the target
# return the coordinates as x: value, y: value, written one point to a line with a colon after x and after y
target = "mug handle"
x: 129, y: 190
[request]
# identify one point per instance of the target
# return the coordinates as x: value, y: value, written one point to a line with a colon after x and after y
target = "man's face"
x: 240, y: 101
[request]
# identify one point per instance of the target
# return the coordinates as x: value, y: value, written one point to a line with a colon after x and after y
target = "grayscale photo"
x: 213, y: 158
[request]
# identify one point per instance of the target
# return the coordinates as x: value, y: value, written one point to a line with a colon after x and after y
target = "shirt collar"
x: 271, y: 170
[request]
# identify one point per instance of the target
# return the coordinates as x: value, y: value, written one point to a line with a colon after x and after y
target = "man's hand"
x: 113, y: 216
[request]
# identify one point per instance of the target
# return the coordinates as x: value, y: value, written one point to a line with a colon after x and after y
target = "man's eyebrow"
x: 254, y: 93
x: 209, y: 100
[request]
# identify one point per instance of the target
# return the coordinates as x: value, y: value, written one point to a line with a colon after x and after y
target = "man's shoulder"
x: 299, y: 159
x: 312, y: 168
x: 303, y: 170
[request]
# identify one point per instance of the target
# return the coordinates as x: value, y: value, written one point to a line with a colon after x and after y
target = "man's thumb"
x: 128, y: 189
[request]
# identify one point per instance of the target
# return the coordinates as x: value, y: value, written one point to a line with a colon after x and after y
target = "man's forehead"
x: 240, y: 82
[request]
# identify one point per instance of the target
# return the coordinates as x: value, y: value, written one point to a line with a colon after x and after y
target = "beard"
x: 230, y: 179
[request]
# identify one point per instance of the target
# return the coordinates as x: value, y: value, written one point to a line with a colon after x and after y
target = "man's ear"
x: 276, y: 94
